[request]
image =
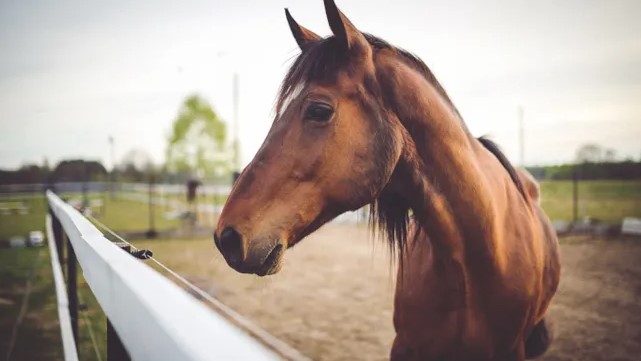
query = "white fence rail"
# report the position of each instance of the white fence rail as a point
(66, 332)
(154, 318)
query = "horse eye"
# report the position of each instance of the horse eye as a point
(318, 112)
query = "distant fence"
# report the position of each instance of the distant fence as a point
(149, 317)
(158, 194)
(92, 187)
(60, 187)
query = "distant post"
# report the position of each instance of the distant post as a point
(236, 131)
(236, 168)
(57, 235)
(151, 233)
(192, 200)
(112, 175)
(575, 194)
(521, 138)
(72, 287)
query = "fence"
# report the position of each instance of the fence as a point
(149, 317)
(61, 187)
(99, 187)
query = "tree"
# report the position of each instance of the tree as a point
(610, 155)
(589, 153)
(45, 165)
(79, 170)
(26, 174)
(198, 141)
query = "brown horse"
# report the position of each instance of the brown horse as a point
(360, 122)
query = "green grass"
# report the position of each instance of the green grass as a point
(38, 336)
(127, 215)
(20, 225)
(90, 317)
(608, 201)
(123, 215)
(119, 214)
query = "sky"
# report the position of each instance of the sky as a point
(74, 73)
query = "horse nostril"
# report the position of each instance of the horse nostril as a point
(231, 245)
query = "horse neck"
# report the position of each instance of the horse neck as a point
(439, 174)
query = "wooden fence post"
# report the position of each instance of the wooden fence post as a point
(57, 235)
(72, 288)
(115, 349)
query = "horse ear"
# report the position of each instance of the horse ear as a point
(301, 34)
(342, 28)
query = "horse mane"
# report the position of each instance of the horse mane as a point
(317, 60)
(494, 149)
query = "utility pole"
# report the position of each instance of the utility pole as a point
(236, 171)
(112, 183)
(575, 194)
(521, 137)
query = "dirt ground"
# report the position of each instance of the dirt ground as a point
(333, 298)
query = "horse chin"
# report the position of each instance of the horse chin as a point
(273, 263)
(271, 271)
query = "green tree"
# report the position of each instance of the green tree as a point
(79, 170)
(198, 141)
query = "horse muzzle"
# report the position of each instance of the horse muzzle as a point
(261, 256)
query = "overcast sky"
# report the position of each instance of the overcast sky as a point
(72, 73)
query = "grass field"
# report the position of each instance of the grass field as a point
(125, 215)
(27, 272)
(608, 201)
(21, 224)
(23, 272)
(119, 214)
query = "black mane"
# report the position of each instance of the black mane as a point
(494, 149)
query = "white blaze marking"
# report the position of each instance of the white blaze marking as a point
(292, 95)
